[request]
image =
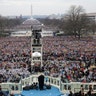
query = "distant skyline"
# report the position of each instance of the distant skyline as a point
(43, 7)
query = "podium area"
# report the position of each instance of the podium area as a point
(46, 92)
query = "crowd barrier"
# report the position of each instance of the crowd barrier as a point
(17, 88)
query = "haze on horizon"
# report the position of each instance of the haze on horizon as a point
(43, 7)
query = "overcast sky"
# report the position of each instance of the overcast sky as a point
(43, 7)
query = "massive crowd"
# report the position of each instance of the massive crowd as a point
(70, 58)
(14, 58)
(65, 57)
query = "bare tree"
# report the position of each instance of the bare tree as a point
(92, 26)
(75, 21)
(6, 23)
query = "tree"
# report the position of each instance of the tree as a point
(6, 23)
(51, 23)
(75, 21)
(92, 26)
(2, 23)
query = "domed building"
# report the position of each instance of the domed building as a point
(25, 29)
(30, 23)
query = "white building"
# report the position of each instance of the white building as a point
(91, 16)
(21, 33)
(47, 33)
(25, 28)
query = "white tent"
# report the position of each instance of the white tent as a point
(36, 54)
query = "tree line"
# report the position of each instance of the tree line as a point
(6, 23)
(75, 22)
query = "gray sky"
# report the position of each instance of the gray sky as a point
(43, 7)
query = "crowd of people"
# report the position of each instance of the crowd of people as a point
(65, 57)
(14, 58)
(70, 58)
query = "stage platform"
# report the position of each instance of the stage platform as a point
(46, 92)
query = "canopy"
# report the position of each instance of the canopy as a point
(36, 54)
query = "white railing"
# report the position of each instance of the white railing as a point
(76, 87)
(13, 88)
(16, 88)
(63, 87)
